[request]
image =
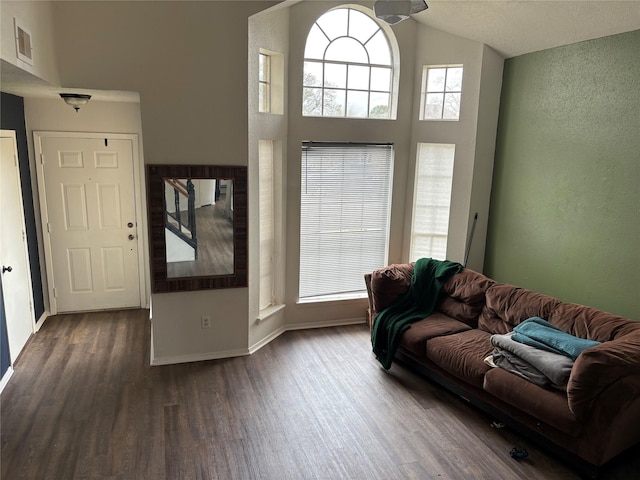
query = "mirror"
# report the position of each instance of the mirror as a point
(198, 227)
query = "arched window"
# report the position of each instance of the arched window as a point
(348, 67)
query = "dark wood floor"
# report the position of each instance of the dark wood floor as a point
(85, 404)
(215, 245)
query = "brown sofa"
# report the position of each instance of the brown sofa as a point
(595, 419)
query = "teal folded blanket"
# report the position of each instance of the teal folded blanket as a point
(539, 333)
(419, 302)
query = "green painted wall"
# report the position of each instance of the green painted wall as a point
(565, 203)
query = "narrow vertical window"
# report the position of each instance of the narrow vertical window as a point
(267, 223)
(264, 83)
(344, 217)
(432, 200)
(441, 92)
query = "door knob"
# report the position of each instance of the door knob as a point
(130, 224)
(6, 269)
(131, 237)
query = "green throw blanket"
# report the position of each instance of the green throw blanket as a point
(419, 302)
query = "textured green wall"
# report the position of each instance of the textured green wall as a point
(565, 203)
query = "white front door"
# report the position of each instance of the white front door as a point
(87, 189)
(16, 274)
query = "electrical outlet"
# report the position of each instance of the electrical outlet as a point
(205, 320)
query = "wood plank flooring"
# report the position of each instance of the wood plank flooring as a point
(215, 245)
(85, 404)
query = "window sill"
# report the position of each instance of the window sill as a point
(269, 312)
(439, 119)
(332, 298)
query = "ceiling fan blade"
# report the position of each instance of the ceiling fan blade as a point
(394, 11)
(418, 6)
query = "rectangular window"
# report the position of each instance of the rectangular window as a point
(345, 205)
(267, 223)
(441, 92)
(432, 200)
(264, 80)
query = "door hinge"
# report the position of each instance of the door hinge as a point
(42, 159)
(48, 227)
(55, 293)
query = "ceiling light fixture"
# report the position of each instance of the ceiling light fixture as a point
(395, 11)
(75, 99)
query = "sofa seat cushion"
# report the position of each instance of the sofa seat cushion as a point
(435, 325)
(548, 405)
(462, 354)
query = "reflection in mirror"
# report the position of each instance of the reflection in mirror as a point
(198, 227)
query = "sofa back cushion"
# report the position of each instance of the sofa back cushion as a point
(507, 305)
(587, 322)
(463, 296)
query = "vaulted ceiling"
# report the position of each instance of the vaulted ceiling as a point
(516, 27)
(511, 27)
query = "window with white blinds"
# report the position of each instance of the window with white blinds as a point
(432, 200)
(267, 223)
(345, 205)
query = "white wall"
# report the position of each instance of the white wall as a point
(473, 135)
(487, 126)
(188, 61)
(38, 18)
(270, 31)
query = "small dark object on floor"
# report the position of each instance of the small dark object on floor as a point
(518, 453)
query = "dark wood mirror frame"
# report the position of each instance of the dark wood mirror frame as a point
(157, 249)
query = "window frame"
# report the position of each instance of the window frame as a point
(424, 92)
(319, 229)
(264, 97)
(322, 88)
(423, 179)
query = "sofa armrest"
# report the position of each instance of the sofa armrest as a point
(598, 368)
(387, 284)
(370, 311)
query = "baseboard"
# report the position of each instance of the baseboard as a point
(303, 326)
(197, 357)
(266, 340)
(152, 354)
(5, 378)
(41, 320)
(327, 323)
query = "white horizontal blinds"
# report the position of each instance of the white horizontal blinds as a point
(432, 200)
(267, 223)
(344, 215)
